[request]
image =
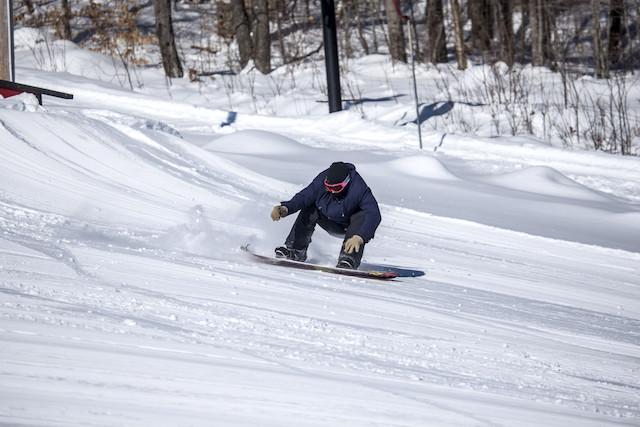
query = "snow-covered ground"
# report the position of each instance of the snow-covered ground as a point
(125, 300)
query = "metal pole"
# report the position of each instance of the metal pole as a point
(331, 55)
(413, 71)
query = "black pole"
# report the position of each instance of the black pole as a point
(331, 55)
(413, 41)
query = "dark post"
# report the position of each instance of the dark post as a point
(331, 55)
(13, 54)
(6, 43)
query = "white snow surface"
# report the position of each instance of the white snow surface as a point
(125, 299)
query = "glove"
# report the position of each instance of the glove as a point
(353, 243)
(279, 212)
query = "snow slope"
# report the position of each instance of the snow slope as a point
(125, 300)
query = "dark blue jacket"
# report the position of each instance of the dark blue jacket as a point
(339, 208)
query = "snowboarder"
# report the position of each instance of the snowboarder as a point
(340, 202)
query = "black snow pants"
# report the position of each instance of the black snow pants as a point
(305, 224)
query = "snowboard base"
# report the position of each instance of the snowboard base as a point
(366, 274)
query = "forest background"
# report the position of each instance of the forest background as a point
(517, 44)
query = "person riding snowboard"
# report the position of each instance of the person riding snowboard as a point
(340, 202)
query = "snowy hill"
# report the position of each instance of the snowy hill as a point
(125, 299)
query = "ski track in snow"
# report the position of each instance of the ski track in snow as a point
(125, 301)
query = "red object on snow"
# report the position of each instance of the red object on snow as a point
(6, 92)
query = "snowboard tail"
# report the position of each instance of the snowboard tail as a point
(366, 274)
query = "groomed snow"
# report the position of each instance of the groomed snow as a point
(125, 300)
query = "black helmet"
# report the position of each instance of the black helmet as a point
(337, 173)
(337, 177)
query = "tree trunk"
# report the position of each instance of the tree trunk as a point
(359, 28)
(280, 16)
(242, 31)
(520, 35)
(166, 38)
(224, 20)
(29, 5)
(417, 54)
(549, 28)
(346, 12)
(436, 42)
(262, 37)
(65, 31)
(504, 24)
(598, 53)
(537, 32)
(375, 6)
(616, 30)
(461, 55)
(396, 33)
(5, 41)
(481, 25)
(307, 15)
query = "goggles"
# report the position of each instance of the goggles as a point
(336, 188)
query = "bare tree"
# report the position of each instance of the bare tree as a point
(360, 20)
(520, 38)
(536, 20)
(262, 37)
(396, 33)
(461, 55)
(65, 21)
(166, 38)
(242, 31)
(374, 5)
(29, 5)
(436, 42)
(281, 9)
(481, 25)
(346, 12)
(616, 30)
(598, 54)
(504, 24)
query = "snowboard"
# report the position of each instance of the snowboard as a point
(365, 274)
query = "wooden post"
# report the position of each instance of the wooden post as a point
(7, 67)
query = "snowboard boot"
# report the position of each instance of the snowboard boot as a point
(347, 262)
(292, 254)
